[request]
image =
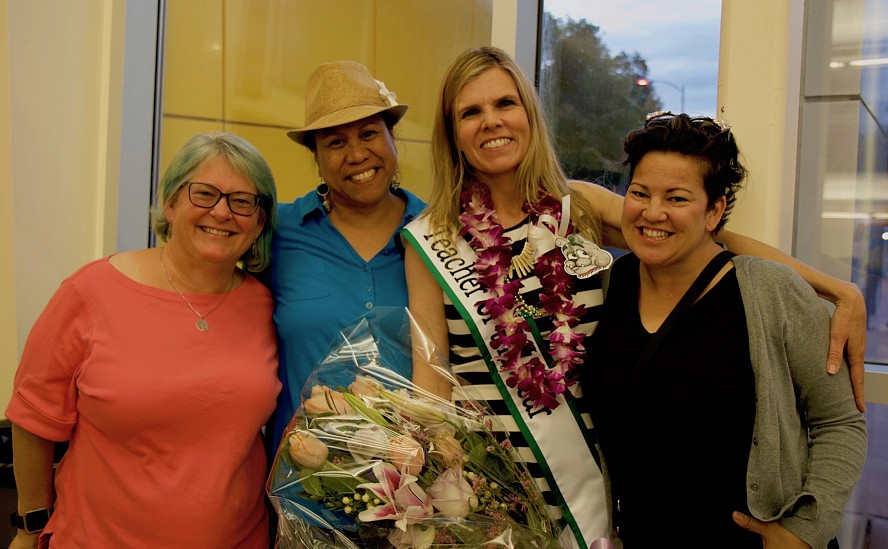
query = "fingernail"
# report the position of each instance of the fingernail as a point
(832, 368)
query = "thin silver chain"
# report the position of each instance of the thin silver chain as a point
(202, 324)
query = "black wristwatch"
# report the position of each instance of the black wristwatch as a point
(34, 520)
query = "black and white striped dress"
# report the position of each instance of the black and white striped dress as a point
(468, 365)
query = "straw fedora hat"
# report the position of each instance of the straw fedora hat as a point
(342, 92)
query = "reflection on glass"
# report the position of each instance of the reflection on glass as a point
(866, 513)
(843, 168)
(603, 67)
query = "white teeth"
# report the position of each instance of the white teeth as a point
(654, 233)
(363, 175)
(215, 231)
(496, 143)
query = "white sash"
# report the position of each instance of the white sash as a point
(556, 437)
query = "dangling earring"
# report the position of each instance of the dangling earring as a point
(396, 180)
(253, 252)
(323, 191)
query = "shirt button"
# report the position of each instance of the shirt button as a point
(369, 289)
(755, 441)
(368, 305)
(754, 487)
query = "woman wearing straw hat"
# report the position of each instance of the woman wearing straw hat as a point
(334, 253)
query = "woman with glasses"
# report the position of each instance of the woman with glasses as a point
(708, 392)
(505, 268)
(159, 368)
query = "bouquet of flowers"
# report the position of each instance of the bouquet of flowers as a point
(371, 460)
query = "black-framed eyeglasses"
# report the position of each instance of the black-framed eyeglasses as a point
(204, 195)
(661, 117)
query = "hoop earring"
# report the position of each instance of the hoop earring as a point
(323, 191)
(396, 180)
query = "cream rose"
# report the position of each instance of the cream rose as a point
(448, 449)
(406, 455)
(307, 450)
(325, 400)
(452, 495)
(364, 386)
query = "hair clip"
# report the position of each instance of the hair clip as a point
(722, 124)
(657, 114)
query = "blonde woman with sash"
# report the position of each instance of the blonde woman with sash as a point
(518, 254)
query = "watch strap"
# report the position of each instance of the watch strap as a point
(33, 521)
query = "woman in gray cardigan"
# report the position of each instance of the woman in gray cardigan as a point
(718, 425)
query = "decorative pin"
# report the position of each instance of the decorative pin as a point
(389, 97)
(582, 259)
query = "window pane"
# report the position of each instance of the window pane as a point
(605, 64)
(843, 161)
(865, 523)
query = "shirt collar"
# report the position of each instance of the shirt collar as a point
(312, 205)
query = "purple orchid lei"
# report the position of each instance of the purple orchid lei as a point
(511, 334)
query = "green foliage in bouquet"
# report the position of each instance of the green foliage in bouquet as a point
(405, 469)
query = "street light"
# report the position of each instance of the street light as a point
(681, 89)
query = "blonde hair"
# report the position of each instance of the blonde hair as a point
(539, 169)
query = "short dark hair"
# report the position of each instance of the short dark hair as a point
(706, 139)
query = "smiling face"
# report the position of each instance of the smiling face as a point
(357, 161)
(213, 234)
(492, 128)
(666, 220)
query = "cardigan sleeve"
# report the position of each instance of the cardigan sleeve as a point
(833, 457)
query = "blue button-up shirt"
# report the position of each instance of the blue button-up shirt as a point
(321, 285)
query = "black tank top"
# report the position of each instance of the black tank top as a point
(676, 442)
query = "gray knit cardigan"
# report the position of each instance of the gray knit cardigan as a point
(809, 440)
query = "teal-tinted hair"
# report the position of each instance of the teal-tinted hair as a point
(248, 162)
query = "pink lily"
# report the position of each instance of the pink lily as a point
(404, 501)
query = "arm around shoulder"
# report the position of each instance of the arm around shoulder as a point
(848, 324)
(608, 206)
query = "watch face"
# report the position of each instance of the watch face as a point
(36, 520)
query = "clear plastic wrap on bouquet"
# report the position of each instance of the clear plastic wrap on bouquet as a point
(371, 460)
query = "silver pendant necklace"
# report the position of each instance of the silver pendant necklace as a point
(202, 324)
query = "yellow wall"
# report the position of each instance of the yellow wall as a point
(61, 129)
(758, 92)
(8, 330)
(241, 66)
